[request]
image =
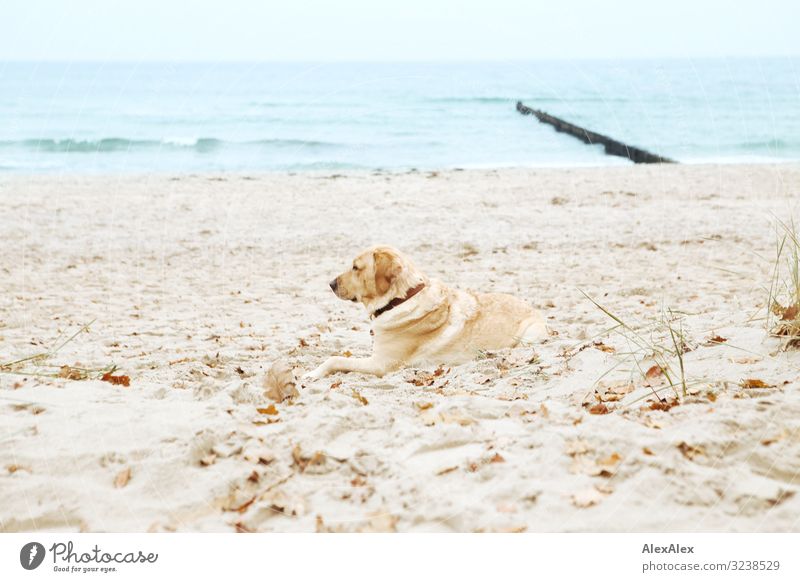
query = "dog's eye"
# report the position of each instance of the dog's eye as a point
(355, 268)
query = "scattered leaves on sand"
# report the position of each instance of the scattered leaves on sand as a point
(270, 410)
(121, 380)
(122, 478)
(754, 383)
(690, 451)
(280, 382)
(716, 340)
(423, 378)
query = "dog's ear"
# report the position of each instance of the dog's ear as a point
(387, 269)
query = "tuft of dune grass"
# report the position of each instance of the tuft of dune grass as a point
(783, 300)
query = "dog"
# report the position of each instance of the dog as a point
(417, 321)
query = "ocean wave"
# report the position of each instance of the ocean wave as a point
(767, 144)
(119, 144)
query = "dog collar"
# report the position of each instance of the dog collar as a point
(399, 300)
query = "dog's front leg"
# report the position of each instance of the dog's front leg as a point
(335, 364)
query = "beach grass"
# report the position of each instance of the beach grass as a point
(783, 300)
(655, 347)
(40, 364)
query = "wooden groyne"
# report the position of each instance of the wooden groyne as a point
(612, 146)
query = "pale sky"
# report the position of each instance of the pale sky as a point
(397, 30)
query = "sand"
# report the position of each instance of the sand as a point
(196, 284)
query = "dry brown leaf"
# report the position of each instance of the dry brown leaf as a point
(654, 372)
(598, 345)
(664, 405)
(790, 313)
(599, 408)
(303, 343)
(336, 384)
(647, 451)
(122, 478)
(446, 470)
(116, 380)
(497, 458)
(715, 340)
(270, 410)
(754, 383)
(424, 405)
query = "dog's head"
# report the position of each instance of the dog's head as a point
(377, 276)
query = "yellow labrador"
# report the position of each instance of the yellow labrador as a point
(419, 321)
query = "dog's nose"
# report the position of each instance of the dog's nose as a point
(334, 285)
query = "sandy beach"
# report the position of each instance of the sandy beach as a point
(195, 285)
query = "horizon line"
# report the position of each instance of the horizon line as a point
(4, 61)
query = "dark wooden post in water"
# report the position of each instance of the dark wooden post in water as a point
(612, 146)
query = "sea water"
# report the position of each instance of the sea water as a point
(252, 117)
